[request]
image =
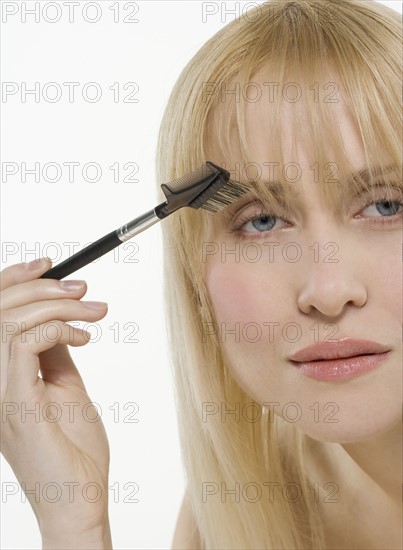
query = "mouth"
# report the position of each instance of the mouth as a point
(336, 358)
(341, 368)
(346, 348)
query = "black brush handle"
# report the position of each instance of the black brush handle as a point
(84, 257)
(105, 244)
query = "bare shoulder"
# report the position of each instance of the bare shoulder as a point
(186, 536)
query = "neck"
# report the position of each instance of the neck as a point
(369, 478)
(380, 458)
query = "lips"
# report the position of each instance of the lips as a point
(346, 347)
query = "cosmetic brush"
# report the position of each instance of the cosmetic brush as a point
(209, 188)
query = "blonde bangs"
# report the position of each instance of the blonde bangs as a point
(303, 55)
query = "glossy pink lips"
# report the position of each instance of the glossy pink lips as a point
(341, 360)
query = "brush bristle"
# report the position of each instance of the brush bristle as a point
(189, 179)
(224, 195)
(209, 188)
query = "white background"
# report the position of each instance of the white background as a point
(42, 218)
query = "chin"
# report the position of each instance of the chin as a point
(353, 429)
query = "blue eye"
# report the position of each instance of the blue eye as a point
(261, 223)
(387, 207)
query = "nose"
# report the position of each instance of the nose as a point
(328, 287)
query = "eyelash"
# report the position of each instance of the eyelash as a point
(262, 214)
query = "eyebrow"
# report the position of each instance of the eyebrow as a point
(361, 179)
(275, 188)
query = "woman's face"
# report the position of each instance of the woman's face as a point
(341, 278)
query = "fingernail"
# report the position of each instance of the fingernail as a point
(69, 286)
(96, 305)
(35, 264)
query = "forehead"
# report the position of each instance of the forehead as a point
(314, 146)
(295, 104)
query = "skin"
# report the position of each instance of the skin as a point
(361, 295)
(37, 369)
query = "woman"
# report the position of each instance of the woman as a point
(282, 448)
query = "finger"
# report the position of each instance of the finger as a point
(24, 364)
(57, 365)
(40, 289)
(26, 271)
(18, 320)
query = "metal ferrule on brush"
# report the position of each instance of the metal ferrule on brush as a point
(137, 225)
(209, 188)
(178, 194)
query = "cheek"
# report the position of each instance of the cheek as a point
(385, 284)
(245, 308)
(243, 304)
(236, 293)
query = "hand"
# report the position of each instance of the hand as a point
(55, 451)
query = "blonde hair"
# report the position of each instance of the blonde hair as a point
(359, 42)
